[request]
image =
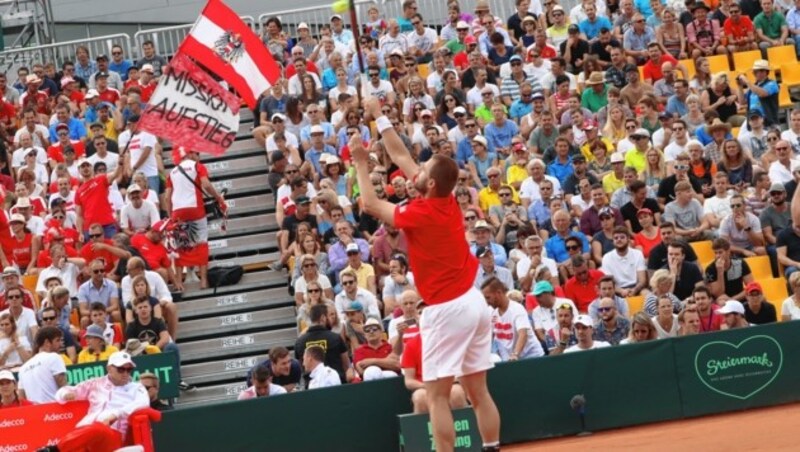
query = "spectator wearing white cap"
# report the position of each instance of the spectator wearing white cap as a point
(10, 277)
(139, 214)
(112, 399)
(30, 162)
(584, 331)
(488, 269)
(733, 314)
(364, 272)
(316, 117)
(375, 360)
(9, 398)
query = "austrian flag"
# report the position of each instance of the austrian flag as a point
(226, 46)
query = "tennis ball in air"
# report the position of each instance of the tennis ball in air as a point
(340, 6)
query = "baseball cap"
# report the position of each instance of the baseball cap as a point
(279, 116)
(641, 132)
(133, 188)
(515, 58)
(7, 375)
(461, 25)
(84, 162)
(10, 271)
(336, 16)
(557, 8)
(542, 287)
(317, 129)
(480, 139)
(584, 320)
(66, 81)
(425, 112)
(573, 29)
(102, 56)
(470, 40)
(91, 94)
(617, 157)
(373, 321)
(537, 95)
(160, 225)
(460, 109)
(776, 186)
(481, 224)
(751, 287)
(732, 307)
(101, 75)
(23, 203)
(354, 306)
(119, 359)
(147, 68)
(302, 200)
(352, 248)
(302, 25)
(94, 331)
(644, 211)
(18, 217)
(483, 251)
(61, 126)
(605, 212)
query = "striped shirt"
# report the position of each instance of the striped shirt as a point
(511, 87)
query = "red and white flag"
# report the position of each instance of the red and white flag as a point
(191, 109)
(224, 44)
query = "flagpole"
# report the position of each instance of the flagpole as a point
(356, 28)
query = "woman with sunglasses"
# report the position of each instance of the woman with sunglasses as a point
(24, 318)
(25, 245)
(15, 349)
(310, 272)
(314, 295)
(769, 156)
(737, 163)
(307, 244)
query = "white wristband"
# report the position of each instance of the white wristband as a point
(382, 123)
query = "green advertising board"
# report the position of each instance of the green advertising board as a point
(164, 365)
(745, 368)
(416, 432)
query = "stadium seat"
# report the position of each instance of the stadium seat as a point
(743, 61)
(784, 99)
(689, 65)
(735, 131)
(423, 70)
(635, 304)
(29, 282)
(781, 55)
(718, 63)
(790, 74)
(641, 73)
(760, 267)
(705, 255)
(775, 291)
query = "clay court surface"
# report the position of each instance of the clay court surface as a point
(759, 429)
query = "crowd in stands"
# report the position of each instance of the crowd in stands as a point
(612, 187)
(95, 233)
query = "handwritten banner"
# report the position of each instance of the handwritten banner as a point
(191, 109)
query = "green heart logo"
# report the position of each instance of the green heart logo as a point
(739, 370)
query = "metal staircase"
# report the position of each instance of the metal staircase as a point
(222, 335)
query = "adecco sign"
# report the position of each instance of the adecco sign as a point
(32, 427)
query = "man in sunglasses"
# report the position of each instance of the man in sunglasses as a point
(112, 399)
(10, 278)
(98, 289)
(375, 360)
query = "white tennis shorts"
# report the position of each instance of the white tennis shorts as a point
(456, 337)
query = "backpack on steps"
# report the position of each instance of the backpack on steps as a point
(224, 276)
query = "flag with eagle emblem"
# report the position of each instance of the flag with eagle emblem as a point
(226, 46)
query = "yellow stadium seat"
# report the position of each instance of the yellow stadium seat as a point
(423, 70)
(735, 131)
(635, 304)
(781, 55)
(29, 282)
(641, 72)
(689, 65)
(775, 291)
(784, 99)
(743, 61)
(718, 63)
(705, 255)
(760, 267)
(790, 74)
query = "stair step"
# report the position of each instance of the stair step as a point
(247, 244)
(211, 394)
(226, 304)
(250, 204)
(243, 185)
(239, 148)
(244, 225)
(248, 343)
(216, 371)
(226, 324)
(237, 167)
(250, 281)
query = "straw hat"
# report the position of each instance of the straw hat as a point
(717, 124)
(596, 78)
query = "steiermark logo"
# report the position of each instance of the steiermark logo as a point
(739, 370)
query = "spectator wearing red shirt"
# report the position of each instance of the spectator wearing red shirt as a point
(6, 240)
(411, 364)
(11, 281)
(8, 391)
(91, 200)
(150, 247)
(739, 30)
(54, 236)
(32, 97)
(710, 320)
(652, 68)
(8, 118)
(374, 360)
(146, 85)
(55, 153)
(461, 59)
(100, 248)
(25, 246)
(104, 93)
(582, 287)
(71, 88)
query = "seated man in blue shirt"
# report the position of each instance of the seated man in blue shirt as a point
(77, 131)
(98, 289)
(286, 371)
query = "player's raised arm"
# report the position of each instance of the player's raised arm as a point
(381, 209)
(391, 140)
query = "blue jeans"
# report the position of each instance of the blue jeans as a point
(154, 182)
